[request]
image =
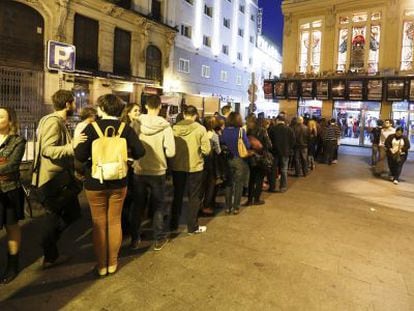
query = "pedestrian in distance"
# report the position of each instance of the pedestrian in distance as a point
(105, 187)
(397, 146)
(12, 148)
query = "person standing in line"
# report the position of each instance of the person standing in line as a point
(225, 112)
(397, 146)
(157, 137)
(375, 139)
(12, 148)
(301, 147)
(210, 167)
(313, 141)
(386, 131)
(130, 113)
(53, 175)
(192, 145)
(106, 197)
(283, 141)
(238, 166)
(87, 116)
(332, 135)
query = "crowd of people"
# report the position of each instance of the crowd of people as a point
(121, 158)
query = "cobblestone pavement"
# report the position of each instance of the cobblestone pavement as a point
(338, 239)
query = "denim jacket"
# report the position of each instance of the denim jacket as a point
(11, 154)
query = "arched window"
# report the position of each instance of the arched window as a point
(21, 36)
(154, 63)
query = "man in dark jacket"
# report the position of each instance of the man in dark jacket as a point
(283, 141)
(301, 147)
(375, 139)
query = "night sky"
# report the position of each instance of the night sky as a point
(272, 20)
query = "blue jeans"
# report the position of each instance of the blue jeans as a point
(234, 188)
(149, 190)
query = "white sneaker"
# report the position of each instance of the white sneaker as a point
(395, 182)
(391, 178)
(201, 229)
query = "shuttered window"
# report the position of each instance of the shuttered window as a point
(122, 52)
(86, 42)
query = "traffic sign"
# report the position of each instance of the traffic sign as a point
(61, 56)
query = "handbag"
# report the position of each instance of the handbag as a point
(241, 147)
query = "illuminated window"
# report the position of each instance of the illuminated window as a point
(224, 75)
(359, 42)
(310, 47)
(208, 10)
(184, 65)
(407, 49)
(186, 31)
(205, 71)
(207, 41)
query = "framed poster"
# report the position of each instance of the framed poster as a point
(268, 89)
(279, 89)
(395, 89)
(322, 89)
(411, 95)
(338, 89)
(355, 89)
(292, 89)
(306, 89)
(374, 89)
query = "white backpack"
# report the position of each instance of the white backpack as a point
(109, 154)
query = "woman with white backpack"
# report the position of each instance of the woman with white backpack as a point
(108, 144)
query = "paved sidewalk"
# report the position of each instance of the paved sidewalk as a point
(338, 239)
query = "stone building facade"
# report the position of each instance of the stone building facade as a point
(123, 47)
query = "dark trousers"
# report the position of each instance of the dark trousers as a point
(301, 160)
(209, 185)
(330, 146)
(375, 154)
(256, 183)
(280, 165)
(234, 188)
(149, 191)
(396, 167)
(193, 182)
(61, 212)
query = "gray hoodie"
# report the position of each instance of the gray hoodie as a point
(157, 137)
(192, 144)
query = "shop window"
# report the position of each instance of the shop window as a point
(359, 42)
(122, 52)
(153, 69)
(86, 42)
(310, 47)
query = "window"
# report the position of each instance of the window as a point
(86, 42)
(407, 50)
(184, 65)
(226, 22)
(225, 49)
(205, 71)
(358, 42)
(207, 41)
(310, 47)
(252, 17)
(186, 31)
(153, 68)
(156, 10)
(190, 1)
(238, 80)
(239, 56)
(241, 32)
(251, 39)
(241, 8)
(223, 76)
(208, 10)
(250, 61)
(122, 52)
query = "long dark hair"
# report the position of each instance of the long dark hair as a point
(234, 120)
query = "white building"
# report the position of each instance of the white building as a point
(214, 50)
(267, 63)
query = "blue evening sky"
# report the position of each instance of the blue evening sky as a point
(272, 20)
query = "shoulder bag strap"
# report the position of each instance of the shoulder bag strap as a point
(97, 129)
(121, 128)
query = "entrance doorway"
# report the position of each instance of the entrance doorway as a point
(356, 120)
(310, 108)
(403, 116)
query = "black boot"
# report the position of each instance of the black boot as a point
(12, 269)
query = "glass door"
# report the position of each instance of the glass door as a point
(403, 116)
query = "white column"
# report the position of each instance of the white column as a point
(216, 27)
(246, 34)
(198, 26)
(234, 33)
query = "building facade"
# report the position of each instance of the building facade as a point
(122, 47)
(365, 49)
(214, 50)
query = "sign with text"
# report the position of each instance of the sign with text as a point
(61, 56)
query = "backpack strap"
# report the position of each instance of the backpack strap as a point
(121, 128)
(97, 129)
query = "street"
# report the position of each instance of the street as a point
(338, 239)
